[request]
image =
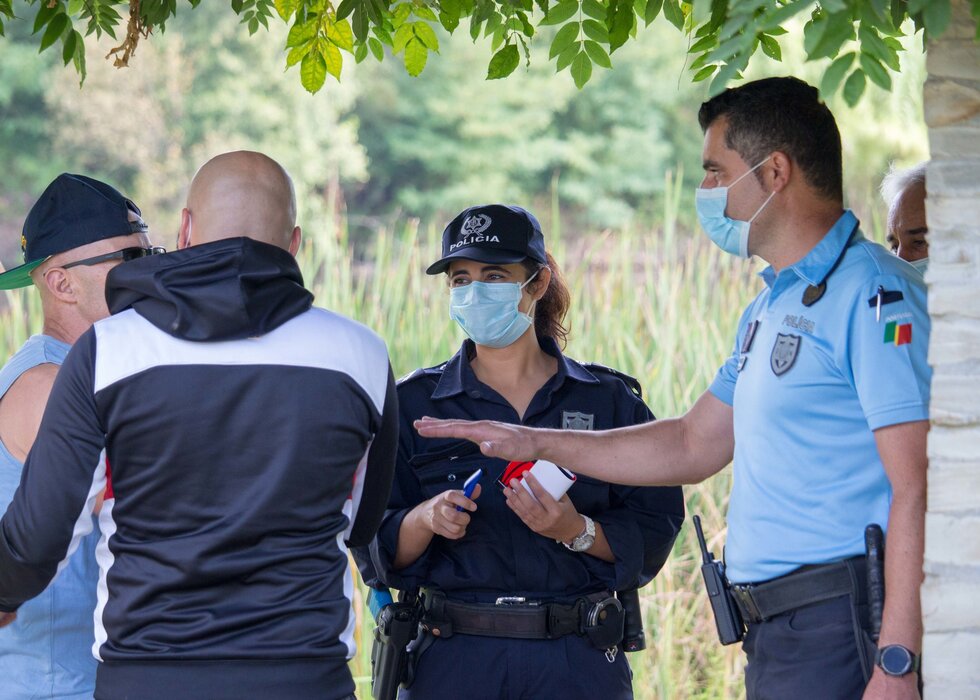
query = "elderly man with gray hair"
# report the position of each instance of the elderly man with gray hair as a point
(904, 191)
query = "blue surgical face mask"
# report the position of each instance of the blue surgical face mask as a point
(920, 265)
(487, 312)
(731, 235)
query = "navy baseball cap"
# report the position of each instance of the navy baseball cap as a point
(491, 233)
(72, 211)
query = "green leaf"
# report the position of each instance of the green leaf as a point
(426, 35)
(449, 22)
(376, 48)
(593, 9)
(75, 7)
(401, 14)
(360, 53)
(68, 52)
(55, 28)
(704, 73)
(300, 33)
(673, 13)
(503, 62)
(415, 57)
(581, 70)
(566, 57)
(874, 70)
(873, 44)
(936, 16)
(596, 30)
(854, 87)
(560, 12)
(424, 12)
(286, 8)
(345, 8)
(403, 35)
(837, 29)
(565, 37)
(598, 54)
(313, 72)
(341, 34)
(770, 47)
(834, 74)
(653, 9)
(297, 53)
(44, 15)
(333, 59)
(620, 26)
(703, 44)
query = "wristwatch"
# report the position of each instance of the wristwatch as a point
(584, 540)
(896, 660)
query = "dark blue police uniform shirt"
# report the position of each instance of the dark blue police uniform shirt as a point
(500, 555)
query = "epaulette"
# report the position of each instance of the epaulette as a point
(632, 382)
(420, 372)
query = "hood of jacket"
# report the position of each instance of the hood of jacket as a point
(226, 290)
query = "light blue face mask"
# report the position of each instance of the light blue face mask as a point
(731, 235)
(920, 265)
(487, 312)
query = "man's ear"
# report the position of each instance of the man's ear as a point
(295, 240)
(780, 172)
(184, 234)
(58, 283)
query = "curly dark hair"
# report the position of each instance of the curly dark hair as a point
(549, 312)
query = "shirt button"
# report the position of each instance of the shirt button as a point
(451, 477)
(475, 394)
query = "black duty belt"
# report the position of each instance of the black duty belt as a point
(759, 602)
(512, 618)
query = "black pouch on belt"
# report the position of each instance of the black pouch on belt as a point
(603, 622)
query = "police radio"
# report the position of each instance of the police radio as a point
(728, 620)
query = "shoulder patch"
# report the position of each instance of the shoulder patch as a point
(632, 382)
(420, 372)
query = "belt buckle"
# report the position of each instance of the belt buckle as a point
(743, 594)
(513, 600)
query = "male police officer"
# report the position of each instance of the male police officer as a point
(905, 193)
(76, 232)
(824, 404)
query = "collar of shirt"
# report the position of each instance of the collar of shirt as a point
(817, 264)
(458, 376)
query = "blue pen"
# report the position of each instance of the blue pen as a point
(469, 486)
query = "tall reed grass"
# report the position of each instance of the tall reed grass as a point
(656, 304)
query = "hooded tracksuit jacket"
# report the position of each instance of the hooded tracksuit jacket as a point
(250, 438)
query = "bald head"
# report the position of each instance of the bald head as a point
(242, 193)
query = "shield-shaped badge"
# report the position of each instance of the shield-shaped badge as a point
(784, 353)
(573, 420)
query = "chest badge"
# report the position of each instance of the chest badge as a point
(573, 420)
(784, 353)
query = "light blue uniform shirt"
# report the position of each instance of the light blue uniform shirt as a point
(808, 387)
(47, 651)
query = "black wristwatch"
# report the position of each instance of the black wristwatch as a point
(896, 660)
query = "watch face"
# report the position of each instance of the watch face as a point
(896, 660)
(583, 542)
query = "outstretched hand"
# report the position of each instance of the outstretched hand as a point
(501, 440)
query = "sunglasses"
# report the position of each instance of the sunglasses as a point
(124, 255)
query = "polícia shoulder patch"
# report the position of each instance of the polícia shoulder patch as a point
(632, 382)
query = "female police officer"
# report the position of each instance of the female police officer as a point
(516, 588)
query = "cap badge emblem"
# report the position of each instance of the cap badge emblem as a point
(475, 224)
(23, 243)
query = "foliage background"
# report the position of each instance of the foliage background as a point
(383, 160)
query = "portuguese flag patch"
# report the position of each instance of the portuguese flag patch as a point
(898, 333)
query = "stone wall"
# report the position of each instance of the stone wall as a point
(951, 592)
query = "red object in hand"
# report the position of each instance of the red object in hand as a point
(514, 470)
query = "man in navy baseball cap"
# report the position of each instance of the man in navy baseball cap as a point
(73, 211)
(78, 230)
(491, 233)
